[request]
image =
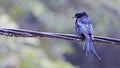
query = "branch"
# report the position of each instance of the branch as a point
(27, 33)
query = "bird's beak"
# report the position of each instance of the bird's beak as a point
(73, 17)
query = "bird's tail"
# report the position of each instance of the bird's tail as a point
(89, 47)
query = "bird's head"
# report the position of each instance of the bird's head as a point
(81, 14)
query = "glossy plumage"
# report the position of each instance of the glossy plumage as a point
(83, 27)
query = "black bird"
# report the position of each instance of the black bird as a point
(84, 29)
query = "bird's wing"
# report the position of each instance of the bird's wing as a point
(85, 26)
(91, 28)
(77, 28)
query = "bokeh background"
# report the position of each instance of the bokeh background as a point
(56, 16)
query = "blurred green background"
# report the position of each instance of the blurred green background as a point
(56, 16)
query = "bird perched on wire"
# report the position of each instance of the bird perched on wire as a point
(84, 29)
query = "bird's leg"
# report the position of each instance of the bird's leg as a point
(92, 37)
(82, 37)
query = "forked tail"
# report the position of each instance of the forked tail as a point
(89, 47)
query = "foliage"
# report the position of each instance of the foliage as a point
(51, 16)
